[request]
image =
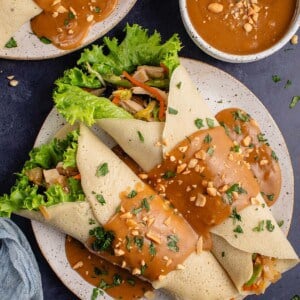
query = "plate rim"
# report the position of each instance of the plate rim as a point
(113, 19)
(35, 225)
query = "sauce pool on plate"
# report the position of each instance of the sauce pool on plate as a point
(241, 27)
(66, 23)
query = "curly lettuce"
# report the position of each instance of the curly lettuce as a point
(26, 195)
(75, 104)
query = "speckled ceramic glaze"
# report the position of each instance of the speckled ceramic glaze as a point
(208, 49)
(31, 48)
(220, 90)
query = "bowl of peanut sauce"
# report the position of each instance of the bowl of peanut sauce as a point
(241, 31)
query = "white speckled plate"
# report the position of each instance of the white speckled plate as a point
(31, 48)
(215, 85)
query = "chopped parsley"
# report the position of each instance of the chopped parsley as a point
(274, 156)
(45, 40)
(136, 210)
(210, 151)
(132, 194)
(172, 111)
(128, 243)
(11, 43)
(261, 138)
(237, 129)
(270, 197)
(102, 170)
(98, 271)
(235, 216)
(103, 239)
(210, 123)
(225, 127)
(239, 115)
(152, 249)
(143, 269)
(234, 188)
(92, 221)
(259, 227)
(141, 137)
(178, 85)
(118, 208)
(276, 78)
(207, 139)
(130, 281)
(280, 223)
(288, 84)
(145, 204)
(296, 297)
(169, 174)
(270, 227)
(139, 242)
(71, 15)
(235, 148)
(294, 101)
(97, 9)
(199, 123)
(100, 198)
(238, 229)
(96, 293)
(117, 280)
(172, 242)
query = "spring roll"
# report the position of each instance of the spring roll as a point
(249, 245)
(13, 15)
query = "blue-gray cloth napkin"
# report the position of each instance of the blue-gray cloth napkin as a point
(19, 273)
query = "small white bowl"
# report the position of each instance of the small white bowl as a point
(234, 58)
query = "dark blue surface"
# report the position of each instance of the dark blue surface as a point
(24, 108)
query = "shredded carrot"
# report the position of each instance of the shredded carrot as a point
(78, 176)
(44, 212)
(116, 100)
(151, 90)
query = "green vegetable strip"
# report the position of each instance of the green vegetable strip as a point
(25, 195)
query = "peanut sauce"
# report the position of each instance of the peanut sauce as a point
(241, 27)
(204, 178)
(151, 238)
(94, 269)
(244, 130)
(66, 23)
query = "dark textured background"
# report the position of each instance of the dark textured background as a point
(24, 108)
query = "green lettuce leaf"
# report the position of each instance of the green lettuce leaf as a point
(77, 77)
(137, 48)
(25, 195)
(76, 104)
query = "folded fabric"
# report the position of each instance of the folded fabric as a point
(19, 277)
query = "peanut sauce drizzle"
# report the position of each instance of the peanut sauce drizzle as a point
(255, 149)
(151, 238)
(204, 179)
(94, 269)
(66, 23)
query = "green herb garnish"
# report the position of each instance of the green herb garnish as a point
(139, 242)
(274, 156)
(239, 115)
(100, 199)
(169, 174)
(11, 43)
(92, 222)
(280, 223)
(234, 188)
(270, 197)
(97, 9)
(238, 229)
(225, 127)
(172, 242)
(235, 148)
(152, 249)
(128, 243)
(132, 194)
(141, 137)
(210, 122)
(261, 138)
(199, 123)
(288, 84)
(130, 281)
(178, 85)
(270, 227)
(145, 204)
(143, 269)
(235, 216)
(207, 139)
(102, 170)
(103, 239)
(45, 40)
(172, 111)
(294, 101)
(223, 253)
(259, 227)
(276, 78)
(237, 129)
(210, 151)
